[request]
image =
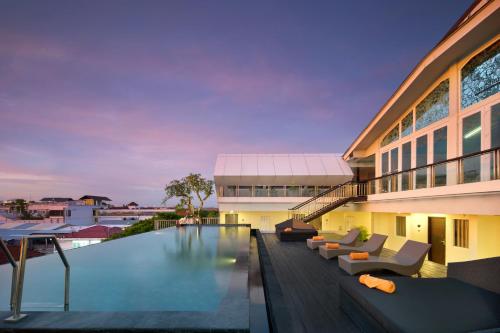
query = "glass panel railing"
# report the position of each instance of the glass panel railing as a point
(472, 168)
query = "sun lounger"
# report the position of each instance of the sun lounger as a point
(300, 231)
(466, 301)
(407, 261)
(348, 240)
(373, 246)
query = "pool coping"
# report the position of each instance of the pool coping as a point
(233, 314)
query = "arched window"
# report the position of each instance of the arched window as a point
(433, 107)
(481, 76)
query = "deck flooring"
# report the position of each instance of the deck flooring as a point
(309, 287)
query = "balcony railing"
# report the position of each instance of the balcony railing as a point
(476, 167)
(163, 224)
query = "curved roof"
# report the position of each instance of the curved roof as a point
(281, 169)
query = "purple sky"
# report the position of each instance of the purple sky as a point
(117, 98)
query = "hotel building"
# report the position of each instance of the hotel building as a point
(426, 167)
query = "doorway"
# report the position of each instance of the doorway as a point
(437, 238)
(231, 218)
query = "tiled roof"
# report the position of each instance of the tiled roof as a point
(97, 231)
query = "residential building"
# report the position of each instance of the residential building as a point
(65, 212)
(95, 200)
(427, 166)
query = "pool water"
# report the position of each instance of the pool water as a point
(175, 269)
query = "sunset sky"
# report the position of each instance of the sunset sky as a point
(117, 98)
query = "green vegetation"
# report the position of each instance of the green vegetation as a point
(363, 233)
(186, 189)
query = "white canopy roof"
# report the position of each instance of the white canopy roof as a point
(281, 169)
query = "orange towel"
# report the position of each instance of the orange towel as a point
(359, 255)
(381, 284)
(318, 238)
(332, 246)
(288, 230)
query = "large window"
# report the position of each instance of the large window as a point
(261, 191)
(407, 125)
(405, 165)
(293, 191)
(392, 136)
(245, 191)
(421, 174)
(481, 76)
(308, 191)
(394, 168)
(495, 126)
(434, 107)
(385, 170)
(471, 143)
(277, 191)
(440, 154)
(230, 191)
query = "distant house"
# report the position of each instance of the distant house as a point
(63, 212)
(56, 199)
(132, 205)
(87, 236)
(94, 200)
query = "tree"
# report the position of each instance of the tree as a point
(186, 189)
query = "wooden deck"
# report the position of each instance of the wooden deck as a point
(304, 294)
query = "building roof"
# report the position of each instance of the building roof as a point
(478, 24)
(97, 231)
(281, 169)
(55, 199)
(95, 197)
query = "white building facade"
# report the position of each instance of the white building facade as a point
(430, 158)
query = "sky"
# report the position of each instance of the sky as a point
(118, 98)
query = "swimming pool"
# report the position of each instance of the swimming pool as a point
(188, 269)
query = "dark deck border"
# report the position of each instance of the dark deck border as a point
(232, 316)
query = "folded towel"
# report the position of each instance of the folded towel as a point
(288, 230)
(374, 282)
(359, 255)
(332, 246)
(318, 238)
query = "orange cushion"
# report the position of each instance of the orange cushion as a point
(359, 255)
(332, 246)
(288, 230)
(318, 238)
(387, 286)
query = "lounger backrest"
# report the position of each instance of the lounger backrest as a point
(375, 243)
(412, 252)
(351, 236)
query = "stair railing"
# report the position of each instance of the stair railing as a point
(18, 291)
(327, 199)
(13, 263)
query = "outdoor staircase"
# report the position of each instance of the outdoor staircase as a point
(329, 200)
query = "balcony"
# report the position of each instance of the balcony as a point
(443, 177)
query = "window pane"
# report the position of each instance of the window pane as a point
(407, 125)
(440, 154)
(322, 189)
(421, 175)
(292, 191)
(245, 191)
(385, 170)
(277, 191)
(481, 76)
(261, 191)
(392, 136)
(471, 143)
(394, 160)
(230, 191)
(495, 126)
(308, 191)
(434, 107)
(406, 164)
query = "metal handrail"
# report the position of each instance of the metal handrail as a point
(13, 263)
(18, 294)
